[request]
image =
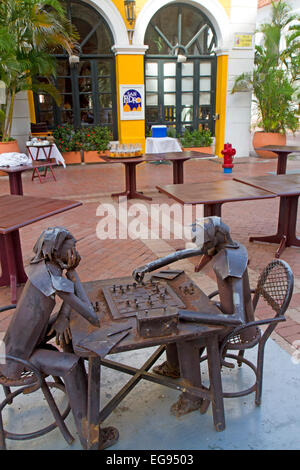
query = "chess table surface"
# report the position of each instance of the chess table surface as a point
(183, 289)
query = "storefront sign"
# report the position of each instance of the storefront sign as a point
(243, 41)
(132, 102)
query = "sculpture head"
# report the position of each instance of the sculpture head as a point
(57, 245)
(210, 235)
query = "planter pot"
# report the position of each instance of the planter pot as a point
(72, 157)
(200, 149)
(261, 138)
(6, 147)
(93, 156)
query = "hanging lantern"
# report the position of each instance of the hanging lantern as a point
(130, 10)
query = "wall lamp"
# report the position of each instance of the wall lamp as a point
(130, 10)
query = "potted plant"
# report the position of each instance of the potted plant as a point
(69, 143)
(273, 79)
(29, 32)
(198, 139)
(95, 142)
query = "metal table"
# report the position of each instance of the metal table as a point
(189, 339)
(282, 152)
(287, 187)
(15, 212)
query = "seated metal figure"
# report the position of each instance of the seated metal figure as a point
(213, 240)
(31, 325)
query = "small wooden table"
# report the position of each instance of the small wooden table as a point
(16, 212)
(213, 194)
(282, 152)
(287, 187)
(47, 150)
(177, 158)
(189, 339)
(15, 174)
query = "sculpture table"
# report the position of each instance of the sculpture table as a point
(189, 338)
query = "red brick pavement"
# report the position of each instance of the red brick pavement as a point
(92, 184)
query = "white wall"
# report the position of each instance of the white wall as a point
(21, 120)
(238, 106)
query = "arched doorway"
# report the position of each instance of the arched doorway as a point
(87, 89)
(180, 69)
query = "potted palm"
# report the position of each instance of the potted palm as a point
(273, 79)
(198, 139)
(29, 31)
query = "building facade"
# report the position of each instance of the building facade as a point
(179, 57)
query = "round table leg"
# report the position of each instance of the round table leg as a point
(15, 183)
(130, 181)
(282, 162)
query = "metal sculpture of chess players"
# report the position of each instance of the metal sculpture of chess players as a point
(31, 326)
(213, 240)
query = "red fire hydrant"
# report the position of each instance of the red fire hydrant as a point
(228, 153)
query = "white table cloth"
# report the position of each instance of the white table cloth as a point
(162, 145)
(11, 159)
(55, 153)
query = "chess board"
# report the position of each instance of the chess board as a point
(129, 299)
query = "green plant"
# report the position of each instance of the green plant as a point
(275, 73)
(67, 138)
(196, 138)
(95, 138)
(29, 31)
(171, 132)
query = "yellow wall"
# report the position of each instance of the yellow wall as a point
(222, 66)
(130, 71)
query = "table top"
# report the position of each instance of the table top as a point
(280, 148)
(81, 328)
(19, 211)
(184, 155)
(21, 168)
(281, 185)
(151, 157)
(213, 192)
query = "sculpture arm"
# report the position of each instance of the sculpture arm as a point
(138, 273)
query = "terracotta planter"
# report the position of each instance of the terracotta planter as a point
(261, 138)
(94, 156)
(200, 149)
(6, 147)
(72, 157)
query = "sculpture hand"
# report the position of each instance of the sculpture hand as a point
(61, 327)
(139, 273)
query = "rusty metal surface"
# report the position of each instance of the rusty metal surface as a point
(157, 322)
(193, 301)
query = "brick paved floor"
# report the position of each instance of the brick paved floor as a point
(92, 184)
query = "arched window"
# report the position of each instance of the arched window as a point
(88, 88)
(180, 69)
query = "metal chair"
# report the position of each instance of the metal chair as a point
(30, 381)
(275, 286)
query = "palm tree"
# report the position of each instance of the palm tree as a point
(276, 70)
(29, 31)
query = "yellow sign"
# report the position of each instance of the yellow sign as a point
(242, 40)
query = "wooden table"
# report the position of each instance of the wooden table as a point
(287, 187)
(213, 194)
(16, 212)
(189, 339)
(282, 152)
(15, 174)
(177, 158)
(47, 159)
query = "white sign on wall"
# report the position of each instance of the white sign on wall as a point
(132, 102)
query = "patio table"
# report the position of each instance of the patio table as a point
(287, 187)
(45, 157)
(15, 174)
(16, 212)
(213, 195)
(177, 158)
(189, 338)
(282, 152)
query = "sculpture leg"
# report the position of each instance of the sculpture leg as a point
(169, 368)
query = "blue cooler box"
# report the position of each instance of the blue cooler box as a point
(159, 131)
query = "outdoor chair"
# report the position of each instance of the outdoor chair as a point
(30, 381)
(275, 287)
